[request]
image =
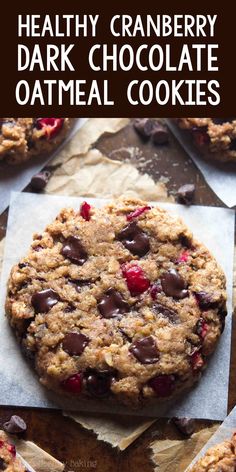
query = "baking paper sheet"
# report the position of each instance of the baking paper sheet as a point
(19, 385)
(225, 431)
(16, 177)
(220, 177)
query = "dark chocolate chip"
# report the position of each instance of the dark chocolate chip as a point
(145, 350)
(3, 464)
(186, 426)
(15, 425)
(78, 283)
(185, 194)
(112, 304)
(43, 301)
(40, 180)
(98, 383)
(185, 241)
(73, 250)
(69, 308)
(205, 300)
(173, 284)
(21, 265)
(144, 127)
(232, 146)
(171, 315)
(221, 121)
(160, 134)
(222, 313)
(134, 239)
(75, 343)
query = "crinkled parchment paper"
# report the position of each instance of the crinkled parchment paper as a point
(119, 431)
(225, 431)
(220, 177)
(25, 390)
(170, 455)
(35, 458)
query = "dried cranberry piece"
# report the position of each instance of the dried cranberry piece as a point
(136, 280)
(154, 290)
(85, 211)
(202, 327)
(51, 126)
(163, 385)
(12, 449)
(183, 257)
(137, 212)
(201, 137)
(73, 384)
(196, 361)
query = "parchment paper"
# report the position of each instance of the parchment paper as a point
(220, 177)
(171, 455)
(118, 431)
(84, 133)
(225, 431)
(19, 384)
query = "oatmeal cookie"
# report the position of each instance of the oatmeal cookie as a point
(9, 462)
(23, 138)
(215, 137)
(219, 458)
(120, 301)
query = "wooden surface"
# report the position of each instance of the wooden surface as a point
(66, 440)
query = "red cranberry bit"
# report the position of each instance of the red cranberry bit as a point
(85, 211)
(1, 443)
(73, 384)
(51, 126)
(137, 212)
(201, 137)
(163, 385)
(183, 257)
(154, 290)
(202, 328)
(197, 361)
(136, 280)
(11, 448)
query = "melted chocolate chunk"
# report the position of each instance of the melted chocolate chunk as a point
(205, 300)
(98, 383)
(3, 464)
(145, 350)
(43, 301)
(73, 250)
(186, 426)
(232, 146)
(15, 425)
(75, 343)
(160, 134)
(21, 265)
(134, 239)
(171, 315)
(185, 241)
(173, 284)
(79, 283)
(222, 313)
(112, 304)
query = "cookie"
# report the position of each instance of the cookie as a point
(23, 138)
(9, 462)
(119, 302)
(215, 137)
(219, 458)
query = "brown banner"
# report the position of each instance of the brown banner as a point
(116, 61)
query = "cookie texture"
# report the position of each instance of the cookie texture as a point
(119, 302)
(9, 462)
(23, 138)
(220, 458)
(215, 137)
